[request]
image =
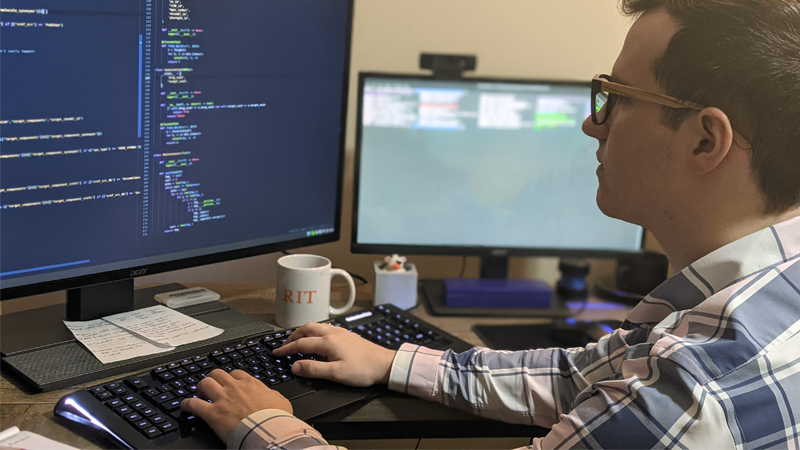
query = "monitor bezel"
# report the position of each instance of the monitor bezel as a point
(363, 248)
(196, 261)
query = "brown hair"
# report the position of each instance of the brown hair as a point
(742, 56)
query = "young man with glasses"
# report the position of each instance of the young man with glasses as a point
(699, 142)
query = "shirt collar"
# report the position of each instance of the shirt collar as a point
(717, 270)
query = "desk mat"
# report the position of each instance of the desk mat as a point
(533, 336)
(431, 293)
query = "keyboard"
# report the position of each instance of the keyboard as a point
(143, 411)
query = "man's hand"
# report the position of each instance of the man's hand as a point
(234, 396)
(352, 360)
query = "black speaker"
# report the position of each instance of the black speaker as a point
(636, 276)
(641, 273)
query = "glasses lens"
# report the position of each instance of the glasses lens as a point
(601, 105)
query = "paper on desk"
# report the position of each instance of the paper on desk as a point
(110, 343)
(163, 325)
(14, 438)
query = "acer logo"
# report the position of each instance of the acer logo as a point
(136, 273)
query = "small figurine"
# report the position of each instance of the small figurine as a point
(395, 263)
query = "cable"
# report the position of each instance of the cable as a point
(463, 266)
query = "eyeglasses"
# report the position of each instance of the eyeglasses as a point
(603, 99)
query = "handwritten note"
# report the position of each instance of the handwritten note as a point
(138, 333)
(14, 438)
(110, 343)
(163, 325)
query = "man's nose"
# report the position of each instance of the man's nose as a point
(598, 132)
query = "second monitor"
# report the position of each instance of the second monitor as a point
(486, 167)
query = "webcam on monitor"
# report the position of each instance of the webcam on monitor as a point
(447, 66)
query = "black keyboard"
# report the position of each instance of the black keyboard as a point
(143, 411)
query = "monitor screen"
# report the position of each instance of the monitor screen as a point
(473, 166)
(151, 135)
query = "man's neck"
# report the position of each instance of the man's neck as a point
(685, 243)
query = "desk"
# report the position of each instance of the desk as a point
(393, 416)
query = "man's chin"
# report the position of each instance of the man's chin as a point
(607, 207)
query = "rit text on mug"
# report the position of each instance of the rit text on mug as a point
(297, 296)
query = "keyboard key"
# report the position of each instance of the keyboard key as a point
(122, 410)
(221, 359)
(104, 395)
(180, 372)
(171, 405)
(97, 389)
(181, 392)
(164, 376)
(133, 417)
(150, 392)
(168, 425)
(173, 365)
(114, 403)
(138, 405)
(149, 411)
(163, 397)
(152, 432)
(142, 424)
(158, 418)
(130, 399)
(205, 365)
(136, 383)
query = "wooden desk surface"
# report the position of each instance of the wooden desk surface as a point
(34, 412)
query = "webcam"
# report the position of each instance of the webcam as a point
(447, 66)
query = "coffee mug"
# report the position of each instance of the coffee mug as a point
(303, 291)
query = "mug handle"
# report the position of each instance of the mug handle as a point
(346, 276)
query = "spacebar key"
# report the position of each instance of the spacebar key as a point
(294, 388)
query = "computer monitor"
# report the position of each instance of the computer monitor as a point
(479, 166)
(146, 136)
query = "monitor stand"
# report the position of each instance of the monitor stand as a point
(43, 355)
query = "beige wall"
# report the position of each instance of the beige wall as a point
(550, 39)
(554, 39)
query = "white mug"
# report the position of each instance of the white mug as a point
(303, 291)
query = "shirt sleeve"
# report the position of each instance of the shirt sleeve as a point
(275, 429)
(532, 387)
(589, 398)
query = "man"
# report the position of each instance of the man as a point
(700, 143)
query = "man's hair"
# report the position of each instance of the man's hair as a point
(742, 56)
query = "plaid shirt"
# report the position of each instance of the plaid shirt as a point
(710, 359)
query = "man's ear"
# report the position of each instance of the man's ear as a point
(710, 136)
